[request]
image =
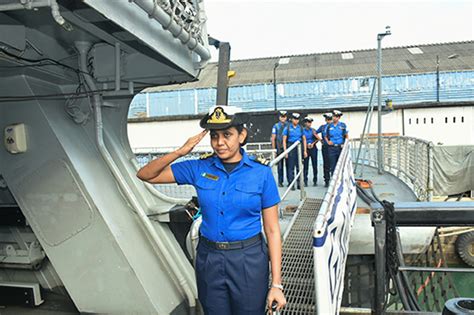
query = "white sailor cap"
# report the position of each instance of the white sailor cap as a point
(337, 113)
(282, 113)
(308, 119)
(328, 115)
(295, 115)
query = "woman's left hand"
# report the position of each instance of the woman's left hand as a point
(276, 295)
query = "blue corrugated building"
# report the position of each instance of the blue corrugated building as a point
(315, 81)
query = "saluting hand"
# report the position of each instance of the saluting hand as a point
(191, 143)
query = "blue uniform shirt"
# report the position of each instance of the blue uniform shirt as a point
(308, 133)
(231, 203)
(322, 130)
(277, 130)
(336, 133)
(295, 133)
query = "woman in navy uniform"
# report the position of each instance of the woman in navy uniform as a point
(234, 193)
(336, 134)
(325, 148)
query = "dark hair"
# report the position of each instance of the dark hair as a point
(240, 128)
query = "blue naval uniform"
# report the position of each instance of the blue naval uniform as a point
(312, 154)
(325, 152)
(233, 281)
(335, 133)
(278, 131)
(294, 133)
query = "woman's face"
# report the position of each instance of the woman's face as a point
(226, 143)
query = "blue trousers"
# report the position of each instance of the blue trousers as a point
(281, 166)
(313, 156)
(334, 153)
(292, 164)
(233, 282)
(326, 165)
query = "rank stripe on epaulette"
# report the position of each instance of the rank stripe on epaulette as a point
(262, 160)
(206, 155)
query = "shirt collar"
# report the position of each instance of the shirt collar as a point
(245, 160)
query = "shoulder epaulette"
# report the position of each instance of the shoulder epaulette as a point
(206, 155)
(262, 160)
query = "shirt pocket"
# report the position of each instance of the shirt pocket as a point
(248, 196)
(207, 192)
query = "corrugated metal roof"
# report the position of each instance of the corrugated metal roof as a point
(327, 66)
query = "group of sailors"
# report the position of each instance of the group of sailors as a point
(331, 134)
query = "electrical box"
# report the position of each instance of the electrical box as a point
(15, 138)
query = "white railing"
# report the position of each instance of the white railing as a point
(331, 235)
(145, 155)
(410, 159)
(295, 146)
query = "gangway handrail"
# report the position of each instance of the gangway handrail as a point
(331, 235)
(408, 158)
(298, 176)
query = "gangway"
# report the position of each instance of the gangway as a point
(297, 260)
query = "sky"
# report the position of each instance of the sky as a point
(264, 28)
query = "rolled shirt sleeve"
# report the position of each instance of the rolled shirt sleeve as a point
(185, 172)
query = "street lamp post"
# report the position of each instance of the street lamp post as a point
(453, 56)
(380, 36)
(274, 85)
(281, 61)
(437, 78)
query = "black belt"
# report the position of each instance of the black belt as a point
(335, 145)
(231, 245)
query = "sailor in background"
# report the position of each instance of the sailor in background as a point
(292, 133)
(234, 191)
(277, 143)
(325, 148)
(311, 140)
(336, 134)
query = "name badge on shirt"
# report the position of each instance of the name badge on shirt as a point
(210, 176)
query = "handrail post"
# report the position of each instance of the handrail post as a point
(430, 171)
(398, 157)
(300, 163)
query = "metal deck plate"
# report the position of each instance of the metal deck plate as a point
(297, 261)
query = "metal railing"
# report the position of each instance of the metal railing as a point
(145, 155)
(332, 228)
(299, 176)
(410, 159)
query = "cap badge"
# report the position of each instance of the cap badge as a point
(218, 117)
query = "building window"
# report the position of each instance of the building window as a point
(346, 56)
(462, 119)
(432, 120)
(417, 121)
(424, 120)
(454, 119)
(446, 120)
(415, 50)
(409, 121)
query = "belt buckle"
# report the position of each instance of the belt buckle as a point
(222, 245)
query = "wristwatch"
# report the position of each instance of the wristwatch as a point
(277, 286)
